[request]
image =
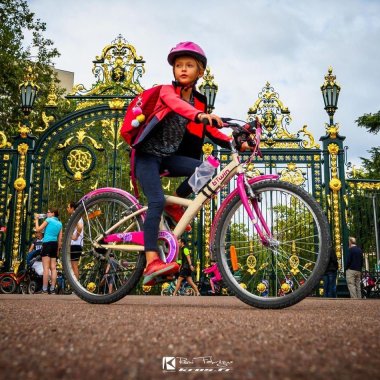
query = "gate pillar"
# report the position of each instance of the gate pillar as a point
(19, 186)
(334, 174)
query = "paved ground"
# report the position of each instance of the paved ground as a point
(62, 337)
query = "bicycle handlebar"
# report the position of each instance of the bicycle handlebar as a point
(249, 131)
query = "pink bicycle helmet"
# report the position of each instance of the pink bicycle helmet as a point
(187, 48)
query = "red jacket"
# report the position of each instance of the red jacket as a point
(170, 100)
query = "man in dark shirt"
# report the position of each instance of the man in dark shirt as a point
(354, 268)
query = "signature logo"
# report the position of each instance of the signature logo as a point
(197, 364)
(168, 363)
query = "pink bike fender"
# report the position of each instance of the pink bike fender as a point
(231, 195)
(112, 190)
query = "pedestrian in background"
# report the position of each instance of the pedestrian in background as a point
(186, 268)
(329, 278)
(354, 266)
(76, 245)
(51, 244)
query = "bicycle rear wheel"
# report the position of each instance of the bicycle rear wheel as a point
(289, 266)
(105, 275)
(167, 290)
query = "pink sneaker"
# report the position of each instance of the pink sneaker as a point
(176, 212)
(158, 268)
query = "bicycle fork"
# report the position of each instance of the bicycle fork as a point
(246, 195)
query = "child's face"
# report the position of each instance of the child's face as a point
(186, 70)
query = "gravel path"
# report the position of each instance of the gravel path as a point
(62, 337)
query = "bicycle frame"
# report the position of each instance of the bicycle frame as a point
(136, 239)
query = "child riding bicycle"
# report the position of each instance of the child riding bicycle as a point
(172, 141)
(216, 277)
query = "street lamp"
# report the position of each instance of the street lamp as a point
(330, 91)
(28, 91)
(209, 89)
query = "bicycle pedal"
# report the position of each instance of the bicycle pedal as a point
(160, 279)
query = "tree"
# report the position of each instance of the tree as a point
(369, 121)
(372, 165)
(16, 20)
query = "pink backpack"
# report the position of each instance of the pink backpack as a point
(139, 113)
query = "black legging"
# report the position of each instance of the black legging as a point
(148, 169)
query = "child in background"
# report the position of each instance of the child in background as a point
(213, 270)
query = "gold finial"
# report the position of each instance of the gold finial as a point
(30, 78)
(52, 97)
(330, 79)
(208, 79)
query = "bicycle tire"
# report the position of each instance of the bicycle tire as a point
(189, 292)
(167, 292)
(98, 213)
(32, 287)
(269, 277)
(7, 285)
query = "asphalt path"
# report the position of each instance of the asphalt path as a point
(153, 337)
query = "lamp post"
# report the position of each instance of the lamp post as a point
(209, 89)
(21, 175)
(330, 91)
(28, 91)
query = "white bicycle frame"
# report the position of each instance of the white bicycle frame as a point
(192, 206)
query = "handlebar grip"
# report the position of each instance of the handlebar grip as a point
(214, 123)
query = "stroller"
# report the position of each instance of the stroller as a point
(33, 280)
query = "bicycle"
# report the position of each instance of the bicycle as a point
(263, 223)
(184, 290)
(11, 282)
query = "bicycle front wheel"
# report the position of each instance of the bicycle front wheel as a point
(105, 275)
(285, 264)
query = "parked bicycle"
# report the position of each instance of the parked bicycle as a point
(263, 223)
(11, 282)
(169, 287)
(370, 285)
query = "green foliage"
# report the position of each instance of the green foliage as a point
(372, 164)
(370, 122)
(360, 220)
(17, 21)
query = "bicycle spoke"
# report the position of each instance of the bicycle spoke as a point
(104, 275)
(286, 263)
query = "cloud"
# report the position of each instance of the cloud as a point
(288, 43)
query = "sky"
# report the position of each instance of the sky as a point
(289, 43)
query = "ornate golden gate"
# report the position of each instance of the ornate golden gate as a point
(70, 156)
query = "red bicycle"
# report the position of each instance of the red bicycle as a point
(11, 282)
